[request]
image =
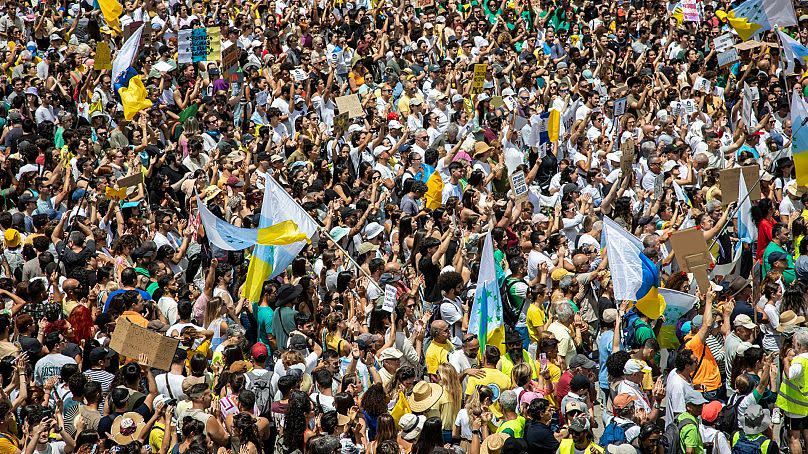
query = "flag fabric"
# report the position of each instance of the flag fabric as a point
(544, 128)
(676, 305)
(747, 233)
(792, 50)
(434, 191)
(486, 319)
(401, 408)
(755, 16)
(184, 54)
(126, 54)
(681, 195)
(634, 276)
(112, 11)
(269, 261)
(214, 52)
(231, 238)
(134, 98)
(799, 139)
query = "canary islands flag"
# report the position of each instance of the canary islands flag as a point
(792, 50)
(486, 319)
(799, 139)
(269, 261)
(755, 16)
(231, 238)
(635, 277)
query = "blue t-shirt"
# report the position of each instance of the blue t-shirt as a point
(143, 294)
(605, 340)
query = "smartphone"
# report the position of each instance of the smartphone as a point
(543, 361)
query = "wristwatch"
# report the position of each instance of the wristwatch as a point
(477, 432)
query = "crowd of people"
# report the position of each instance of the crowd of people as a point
(363, 342)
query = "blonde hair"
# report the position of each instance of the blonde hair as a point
(450, 381)
(213, 310)
(521, 374)
(291, 357)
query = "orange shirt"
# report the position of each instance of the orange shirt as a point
(707, 374)
(135, 318)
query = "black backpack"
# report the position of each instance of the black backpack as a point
(672, 441)
(727, 420)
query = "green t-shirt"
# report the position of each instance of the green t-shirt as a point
(263, 315)
(690, 437)
(788, 273)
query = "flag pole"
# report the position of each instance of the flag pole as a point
(734, 212)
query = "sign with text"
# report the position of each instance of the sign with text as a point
(620, 106)
(479, 78)
(723, 42)
(351, 105)
(130, 340)
(389, 304)
(519, 185)
(728, 57)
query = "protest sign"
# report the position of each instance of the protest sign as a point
(389, 304)
(677, 304)
(728, 57)
(730, 179)
(691, 11)
(519, 185)
(350, 104)
(131, 340)
(692, 255)
(620, 106)
(723, 42)
(479, 78)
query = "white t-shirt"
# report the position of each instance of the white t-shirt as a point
(716, 437)
(174, 381)
(675, 391)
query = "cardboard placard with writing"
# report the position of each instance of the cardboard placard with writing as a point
(728, 57)
(519, 185)
(730, 179)
(103, 56)
(723, 42)
(627, 150)
(341, 122)
(479, 78)
(422, 4)
(351, 105)
(230, 56)
(389, 304)
(131, 340)
(496, 102)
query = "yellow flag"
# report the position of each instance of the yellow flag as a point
(434, 191)
(401, 408)
(112, 11)
(553, 125)
(742, 26)
(134, 98)
(282, 233)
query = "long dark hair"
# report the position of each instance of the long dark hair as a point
(245, 424)
(296, 423)
(431, 436)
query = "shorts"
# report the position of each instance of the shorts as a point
(797, 423)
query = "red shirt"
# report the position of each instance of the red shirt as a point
(764, 236)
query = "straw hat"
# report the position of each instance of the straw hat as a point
(424, 396)
(210, 192)
(788, 319)
(493, 443)
(126, 428)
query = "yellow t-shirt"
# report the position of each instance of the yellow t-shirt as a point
(647, 379)
(493, 378)
(9, 443)
(555, 375)
(436, 355)
(156, 436)
(337, 344)
(535, 321)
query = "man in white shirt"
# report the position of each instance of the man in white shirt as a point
(170, 383)
(464, 359)
(678, 384)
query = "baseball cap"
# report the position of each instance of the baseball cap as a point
(610, 315)
(623, 400)
(580, 424)
(390, 353)
(259, 351)
(776, 256)
(694, 397)
(580, 360)
(633, 366)
(710, 411)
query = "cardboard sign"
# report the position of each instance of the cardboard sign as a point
(351, 105)
(620, 106)
(496, 102)
(519, 185)
(130, 340)
(752, 44)
(730, 179)
(728, 57)
(131, 180)
(389, 304)
(230, 56)
(627, 150)
(103, 56)
(422, 4)
(479, 78)
(747, 111)
(341, 122)
(723, 42)
(692, 255)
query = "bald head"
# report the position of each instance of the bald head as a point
(439, 330)
(701, 161)
(579, 260)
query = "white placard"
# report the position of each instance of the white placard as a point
(748, 99)
(724, 42)
(702, 85)
(689, 106)
(389, 304)
(728, 57)
(519, 184)
(718, 91)
(299, 74)
(620, 106)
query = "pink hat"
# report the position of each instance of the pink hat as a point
(462, 155)
(529, 396)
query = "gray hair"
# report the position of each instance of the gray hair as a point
(712, 205)
(507, 401)
(801, 339)
(564, 312)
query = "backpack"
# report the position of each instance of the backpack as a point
(629, 322)
(261, 385)
(672, 441)
(510, 312)
(744, 445)
(614, 433)
(727, 420)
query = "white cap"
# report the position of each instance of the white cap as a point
(615, 156)
(354, 128)
(483, 97)
(395, 124)
(508, 92)
(379, 150)
(457, 98)
(373, 230)
(668, 166)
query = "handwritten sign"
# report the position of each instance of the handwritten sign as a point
(728, 57)
(350, 104)
(131, 180)
(422, 4)
(627, 156)
(341, 122)
(690, 11)
(389, 304)
(519, 185)
(130, 340)
(692, 255)
(723, 42)
(103, 56)
(620, 106)
(479, 78)
(747, 111)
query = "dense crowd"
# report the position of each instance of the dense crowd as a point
(422, 141)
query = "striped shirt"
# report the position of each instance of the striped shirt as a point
(104, 378)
